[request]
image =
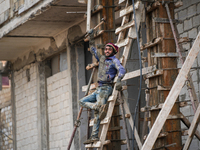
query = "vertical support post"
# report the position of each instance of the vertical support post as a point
(88, 15)
(42, 106)
(13, 111)
(155, 30)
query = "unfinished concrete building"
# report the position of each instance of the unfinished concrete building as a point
(46, 53)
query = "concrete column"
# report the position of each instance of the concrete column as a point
(43, 138)
(13, 111)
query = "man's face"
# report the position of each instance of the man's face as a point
(108, 51)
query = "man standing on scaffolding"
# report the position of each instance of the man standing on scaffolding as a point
(109, 65)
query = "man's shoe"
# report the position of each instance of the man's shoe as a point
(103, 111)
(91, 140)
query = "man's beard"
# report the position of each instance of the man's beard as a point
(112, 54)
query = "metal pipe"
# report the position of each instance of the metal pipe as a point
(88, 15)
(80, 112)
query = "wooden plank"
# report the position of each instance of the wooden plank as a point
(164, 55)
(136, 73)
(104, 121)
(92, 86)
(173, 94)
(152, 43)
(161, 88)
(93, 145)
(129, 9)
(121, 1)
(192, 128)
(123, 43)
(124, 27)
(153, 6)
(154, 74)
(95, 35)
(97, 144)
(127, 76)
(178, 4)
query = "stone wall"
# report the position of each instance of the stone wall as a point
(26, 108)
(59, 110)
(189, 13)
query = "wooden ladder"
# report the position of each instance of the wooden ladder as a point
(124, 41)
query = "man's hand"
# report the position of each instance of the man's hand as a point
(118, 84)
(91, 34)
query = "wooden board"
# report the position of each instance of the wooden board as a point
(127, 76)
(173, 94)
(192, 129)
(129, 9)
(124, 27)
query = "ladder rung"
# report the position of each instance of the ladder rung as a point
(111, 98)
(123, 43)
(121, 1)
(104, 121)
(129, 9)
(96, 9)
(96, 35)
(152, 43)
(93, 145)
(124, 27)
(97, 144)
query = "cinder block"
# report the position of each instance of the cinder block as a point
(187, 24)
(198, 10)
(196, 21)
(182, 14)
(180, 28)
(65, 88)
(66, 80)
(65, 104)
(192, 11)
(193, 33)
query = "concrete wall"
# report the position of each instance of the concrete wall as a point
(190, 14)
(6, 142)
(8, 8)
(26, 109)
(59, 110)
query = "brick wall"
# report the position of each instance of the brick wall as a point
(59, 111)
(189, 13)
(26, 108)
